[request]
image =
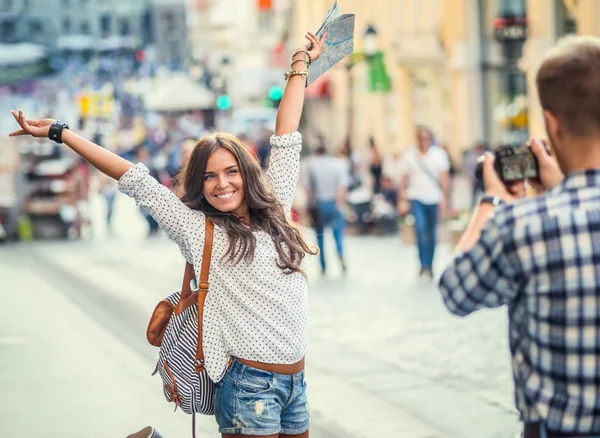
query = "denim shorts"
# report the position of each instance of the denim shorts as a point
(249, 401)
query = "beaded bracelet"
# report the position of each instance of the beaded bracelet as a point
(300, 60)
(291, 73)
(306, 53)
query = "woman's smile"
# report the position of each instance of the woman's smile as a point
(225, 197)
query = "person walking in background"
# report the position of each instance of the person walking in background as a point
(263, 147)
(178, 156)
(375, 166)
(108, 188)
(392, 167)
(470, 168)
(424, 189)
(328, 180)
(143, 156)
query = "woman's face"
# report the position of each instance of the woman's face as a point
(224, 184)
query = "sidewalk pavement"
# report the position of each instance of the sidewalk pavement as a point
(384, 357)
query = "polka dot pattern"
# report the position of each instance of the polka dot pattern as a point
(253, 310)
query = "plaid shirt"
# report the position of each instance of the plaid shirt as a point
(541, 256)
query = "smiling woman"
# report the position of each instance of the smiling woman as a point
(255, 316)
(236, 194)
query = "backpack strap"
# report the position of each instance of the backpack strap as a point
(203, 290)
(188, 277)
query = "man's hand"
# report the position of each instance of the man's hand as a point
(494, 186)
(550, 173)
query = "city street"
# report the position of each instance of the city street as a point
(385, 358)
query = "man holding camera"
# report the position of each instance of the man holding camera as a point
(541, 256)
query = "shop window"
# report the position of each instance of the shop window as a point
(66, 24)
(105, 24)
(503, 32)
(511, 8)
(124, 27)
(566, 21)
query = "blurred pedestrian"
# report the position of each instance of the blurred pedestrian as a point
(424, 190)
(143, 156)
(328, 180)
(255, 315)
(469, 169)
(392, 167)
(108, 189)
(264, 147)
(375, 165)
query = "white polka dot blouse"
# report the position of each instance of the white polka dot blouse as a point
(254, 310)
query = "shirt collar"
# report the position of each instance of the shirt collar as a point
(579, 179)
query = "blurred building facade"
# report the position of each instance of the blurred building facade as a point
(465, 68)
(46, 21)
(169, 31)
(238, 41)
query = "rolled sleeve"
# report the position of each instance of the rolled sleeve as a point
(485, 276)
(284, 166)
(173, 216)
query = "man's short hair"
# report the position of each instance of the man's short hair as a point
(568, 83)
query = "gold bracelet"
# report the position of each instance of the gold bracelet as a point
(300, 60)
(305, 52)
(291, 73)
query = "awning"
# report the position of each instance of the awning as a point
(116, 43)
(76, 42)
(178, 93)
(23, 53)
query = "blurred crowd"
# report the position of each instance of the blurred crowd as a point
(368, 204)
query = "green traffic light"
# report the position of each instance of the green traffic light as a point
(275, 92)
(223, 102)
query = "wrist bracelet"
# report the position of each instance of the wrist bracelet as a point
(291, 73)
(305, 52)
(300, 60)
(55, 131)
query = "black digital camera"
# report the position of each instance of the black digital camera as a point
(513, 163)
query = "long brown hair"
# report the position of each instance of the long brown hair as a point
(265, 210)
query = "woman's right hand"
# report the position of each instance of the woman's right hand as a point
(35, 128)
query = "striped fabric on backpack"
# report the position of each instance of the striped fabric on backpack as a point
(176, 327)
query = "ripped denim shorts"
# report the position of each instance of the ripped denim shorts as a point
(249, 401)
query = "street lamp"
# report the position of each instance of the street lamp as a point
(510, 30)
(372, 54)
(370, 45)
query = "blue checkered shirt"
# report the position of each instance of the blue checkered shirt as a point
(541, 256)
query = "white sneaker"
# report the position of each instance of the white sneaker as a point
(146, 432)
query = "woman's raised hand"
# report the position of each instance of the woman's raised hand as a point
(35, 128)
(315, 46)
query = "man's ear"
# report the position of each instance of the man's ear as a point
(552, 125)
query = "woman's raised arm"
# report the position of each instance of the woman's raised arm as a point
(284, 162)
(179, 221)
(102, 159)
(290, 108)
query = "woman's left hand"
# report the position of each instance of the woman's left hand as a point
(315, 46)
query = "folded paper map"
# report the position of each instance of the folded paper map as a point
(338, 44)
